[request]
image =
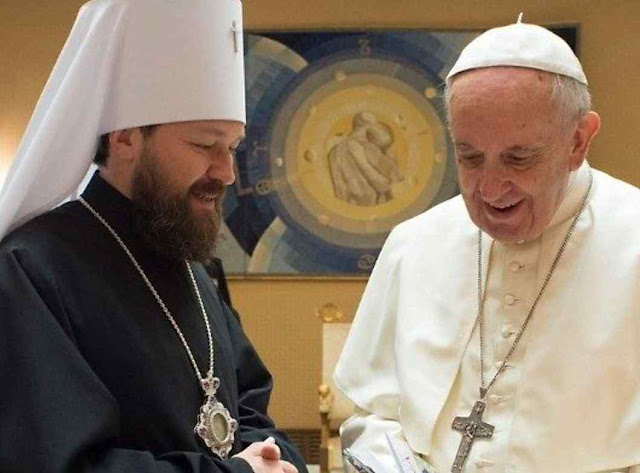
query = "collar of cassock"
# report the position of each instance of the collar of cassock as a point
(578, 183)
(114, 207)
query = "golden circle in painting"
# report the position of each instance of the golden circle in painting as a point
(361, 152)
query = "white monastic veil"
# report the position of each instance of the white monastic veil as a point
(126, 63)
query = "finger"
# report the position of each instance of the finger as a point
(270, 451)
(288, 467)
(270, 440)
(254, 450)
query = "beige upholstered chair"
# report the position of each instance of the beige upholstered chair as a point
(334, 407)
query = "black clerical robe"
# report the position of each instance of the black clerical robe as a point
(93, 376)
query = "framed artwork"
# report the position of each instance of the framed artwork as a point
(346, 138)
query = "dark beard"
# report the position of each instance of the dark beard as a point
(165, 220)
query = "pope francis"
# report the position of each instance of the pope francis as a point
(500, 330)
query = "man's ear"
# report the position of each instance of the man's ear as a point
(125, 146)
(587, 128)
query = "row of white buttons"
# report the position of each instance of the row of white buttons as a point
(506, 332)
(514, 267)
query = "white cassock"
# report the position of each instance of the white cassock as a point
(569, 400)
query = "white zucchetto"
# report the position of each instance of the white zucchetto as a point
(126, 63)
(520, 45)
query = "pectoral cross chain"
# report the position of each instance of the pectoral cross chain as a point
(472, 428)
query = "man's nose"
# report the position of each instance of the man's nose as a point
(223, 168)
(494, 182)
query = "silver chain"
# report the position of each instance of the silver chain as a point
(159, 299)
(482, 295)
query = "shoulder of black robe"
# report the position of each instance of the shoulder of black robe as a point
(94, 379)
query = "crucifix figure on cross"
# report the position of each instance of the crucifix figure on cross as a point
(472, 428)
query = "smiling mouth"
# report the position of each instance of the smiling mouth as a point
(503, 206)
(504, 209)
(208, 191)
(205, 197)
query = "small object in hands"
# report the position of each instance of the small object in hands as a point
(406, 460)
(355, 462)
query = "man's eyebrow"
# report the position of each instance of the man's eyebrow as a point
(463, 147)
(518, 148)
(217, 132)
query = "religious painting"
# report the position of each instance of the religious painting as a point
(346, 137)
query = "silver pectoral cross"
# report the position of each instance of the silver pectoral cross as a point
(236, 36)
(215, 425)
(472, 428)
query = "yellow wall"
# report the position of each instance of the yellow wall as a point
(279, 314)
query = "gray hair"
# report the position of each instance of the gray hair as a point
(572, 98)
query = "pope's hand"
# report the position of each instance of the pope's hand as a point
(264, 457)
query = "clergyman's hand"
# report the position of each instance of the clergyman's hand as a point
(264, 457)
